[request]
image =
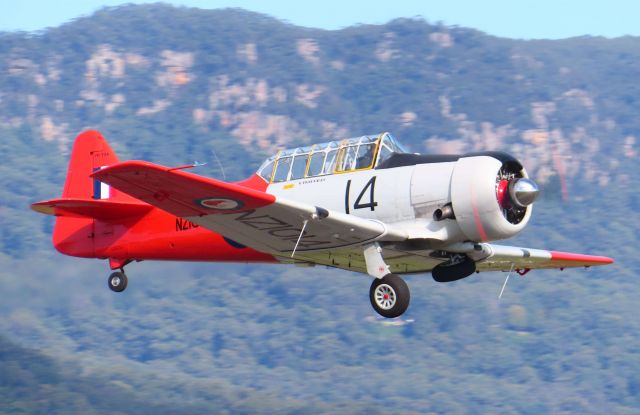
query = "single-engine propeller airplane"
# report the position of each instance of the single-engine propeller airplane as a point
(362, 204)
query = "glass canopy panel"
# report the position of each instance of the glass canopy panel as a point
(384, 153)
(316, 161)
(364, 158)
(266, 170)
(299, 166)
(330, 161)
(393, 144)
(347, 158)
(282, 169)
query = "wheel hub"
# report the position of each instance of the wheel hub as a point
(385, 296)
(115, 281)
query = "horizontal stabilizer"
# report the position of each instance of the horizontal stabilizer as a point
(89, 208)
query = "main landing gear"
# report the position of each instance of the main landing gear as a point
(389, 296)
(118, 281)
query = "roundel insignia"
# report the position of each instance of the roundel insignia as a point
(220, 203)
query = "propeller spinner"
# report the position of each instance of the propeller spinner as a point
(523, 192)
(514, 194)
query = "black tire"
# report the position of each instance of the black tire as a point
(398, 298)
(117, 281)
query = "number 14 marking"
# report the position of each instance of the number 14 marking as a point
(371, 185)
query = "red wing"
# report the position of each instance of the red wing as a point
(181, 193)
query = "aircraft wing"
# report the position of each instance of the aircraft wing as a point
(503, 258)
(244, 215)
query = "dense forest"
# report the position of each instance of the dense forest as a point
(230, 87)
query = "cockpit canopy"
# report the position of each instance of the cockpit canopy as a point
(351, 154)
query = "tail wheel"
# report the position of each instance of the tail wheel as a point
(389, 296)
(118, 281)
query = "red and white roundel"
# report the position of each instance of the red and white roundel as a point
(220, 203)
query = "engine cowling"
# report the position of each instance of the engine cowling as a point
(491, 196)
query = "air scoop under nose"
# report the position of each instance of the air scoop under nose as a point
(523, 192)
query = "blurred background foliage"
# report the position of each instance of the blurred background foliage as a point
(174, 85)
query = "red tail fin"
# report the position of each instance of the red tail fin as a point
(74, 231)
(90, 152)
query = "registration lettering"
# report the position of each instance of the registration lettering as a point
(279, 229)
(185, 225)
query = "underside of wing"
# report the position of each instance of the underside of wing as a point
(504, 258)
(247, 216)
(353, 259)
(489, 258)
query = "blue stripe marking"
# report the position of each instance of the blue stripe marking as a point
(96, 185)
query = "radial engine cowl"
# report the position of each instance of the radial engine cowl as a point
(492, 196)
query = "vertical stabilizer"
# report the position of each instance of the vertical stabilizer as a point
(90, 152)
(75, 236)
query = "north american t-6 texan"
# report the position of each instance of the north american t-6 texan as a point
(362, 204)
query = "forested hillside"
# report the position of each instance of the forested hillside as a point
(229, 87)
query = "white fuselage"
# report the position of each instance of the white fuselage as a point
(407, 197)
(403, 196)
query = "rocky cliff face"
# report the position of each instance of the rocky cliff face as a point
(561, 106)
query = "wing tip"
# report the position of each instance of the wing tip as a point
(591, 259)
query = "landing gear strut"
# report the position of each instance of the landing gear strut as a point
(118, 281)
(389, 296)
